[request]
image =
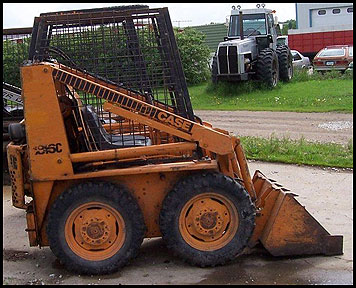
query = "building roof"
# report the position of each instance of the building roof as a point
(214, 33)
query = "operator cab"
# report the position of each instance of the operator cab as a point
(258, 23)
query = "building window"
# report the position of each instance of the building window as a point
(350, 10)
(321, 12)
(336, 11)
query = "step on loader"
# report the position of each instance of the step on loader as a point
(110, 152)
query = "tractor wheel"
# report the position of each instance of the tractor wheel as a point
(207, 219)
(267, 68)
(95, 228)
(214, 71)
(285, 63)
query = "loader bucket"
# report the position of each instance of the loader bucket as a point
(285, 227)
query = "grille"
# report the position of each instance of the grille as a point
(233, 59)
(223, 60)
(228, 60)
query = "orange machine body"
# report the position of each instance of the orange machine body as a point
(44, 167)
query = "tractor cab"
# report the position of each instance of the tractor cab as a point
(253, 23)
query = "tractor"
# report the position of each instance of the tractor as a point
(250, 50)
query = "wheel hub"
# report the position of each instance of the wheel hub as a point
(208, 222)
(207, 219)
(95, 231)
(96, 228)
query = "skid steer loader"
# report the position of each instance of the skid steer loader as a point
(110, 152)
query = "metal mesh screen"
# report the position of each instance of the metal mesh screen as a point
(132, 48)
(100, 130)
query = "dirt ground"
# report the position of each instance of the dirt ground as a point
(326, 193)
(322, 127)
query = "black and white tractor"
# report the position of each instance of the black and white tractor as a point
(250, 50)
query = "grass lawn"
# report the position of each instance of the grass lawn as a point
(300, 151)
(323, 95)
(316, 93)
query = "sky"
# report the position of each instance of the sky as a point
(16, 15)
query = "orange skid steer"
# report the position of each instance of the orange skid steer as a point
(106, 164)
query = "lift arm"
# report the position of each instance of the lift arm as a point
(132, 106)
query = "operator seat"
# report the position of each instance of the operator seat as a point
(105, 140)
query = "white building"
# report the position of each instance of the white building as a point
(324, 16)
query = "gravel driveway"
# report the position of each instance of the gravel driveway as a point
(322, 127)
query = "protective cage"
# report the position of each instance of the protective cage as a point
(130, 47)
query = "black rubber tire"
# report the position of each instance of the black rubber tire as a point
(115, 196)
(267, 68)
(17, 132)
(188, 188)
(285, 59)
(214, 71)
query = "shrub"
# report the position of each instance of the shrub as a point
(194, 55)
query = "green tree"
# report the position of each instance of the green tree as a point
(13, 54)
(289, 24)
(194, 54)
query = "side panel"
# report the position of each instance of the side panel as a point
(148, 189)
(313, 42)
(45, 131)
